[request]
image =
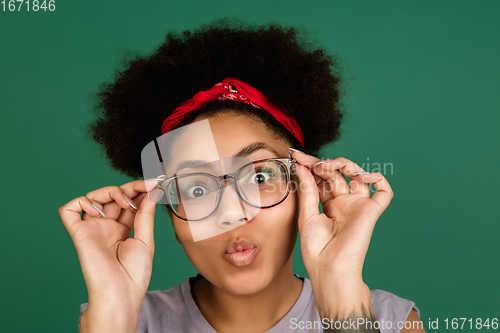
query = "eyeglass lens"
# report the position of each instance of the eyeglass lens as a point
(262, 184)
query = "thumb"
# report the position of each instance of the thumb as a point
(144, 221)
(308, 194)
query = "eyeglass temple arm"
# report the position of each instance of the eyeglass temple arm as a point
(160, 159)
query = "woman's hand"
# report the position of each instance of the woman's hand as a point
(334, 244)
(117, 269)
(337, 240)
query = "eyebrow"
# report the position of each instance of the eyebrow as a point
(248, 150)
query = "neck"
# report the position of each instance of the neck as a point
(228, 312)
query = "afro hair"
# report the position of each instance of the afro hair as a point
(295, 76)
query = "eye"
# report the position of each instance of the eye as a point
(195, 191)
(262, 176)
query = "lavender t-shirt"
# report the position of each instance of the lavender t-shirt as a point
(174, 310)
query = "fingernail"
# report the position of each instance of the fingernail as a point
(360, 173)
(320, 162)
(98, 209)
(130, 202)
(156, 195)
(295, 150)
(160, 178)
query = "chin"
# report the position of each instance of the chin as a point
(246, 281)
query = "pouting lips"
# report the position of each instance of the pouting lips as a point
(241, 253)
(241, 245)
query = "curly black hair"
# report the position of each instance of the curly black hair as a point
(296, 77)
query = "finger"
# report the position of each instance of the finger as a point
(97, 206)
(140, 186)
(308, 195)
(134, 188)
(384, 193)
(337, 183)
(324, 188)
(127, 216)
(70, 212)
(112, 210)
(109, 194)
(133, 193)
(334, 169)
(112, 199)
(144, 222)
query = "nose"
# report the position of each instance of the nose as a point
(231, 212)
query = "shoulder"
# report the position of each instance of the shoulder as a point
(393, 311)
(157, 303)
(164, 310)
(169, 299)
(387, 306)
(386, 302)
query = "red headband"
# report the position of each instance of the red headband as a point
(233, 89)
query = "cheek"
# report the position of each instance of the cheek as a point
(279, 224)
(202, 254)
(181, 230)
(184, 237)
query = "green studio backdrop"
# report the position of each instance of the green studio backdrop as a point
(421, 94)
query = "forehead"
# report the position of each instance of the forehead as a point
(220, 136)
(209, 140)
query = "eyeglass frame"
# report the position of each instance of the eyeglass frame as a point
(287, 161)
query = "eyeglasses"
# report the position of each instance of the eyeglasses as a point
(262, 184)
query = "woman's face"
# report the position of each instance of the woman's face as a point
(272, 230)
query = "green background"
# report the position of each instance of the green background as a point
(421, 93)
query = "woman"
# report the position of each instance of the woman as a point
(263, 95)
